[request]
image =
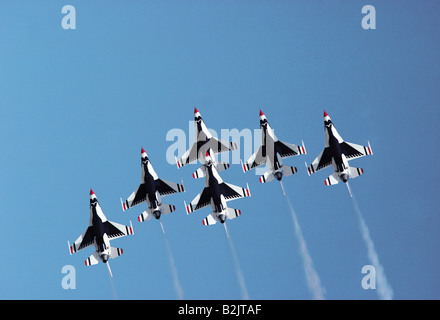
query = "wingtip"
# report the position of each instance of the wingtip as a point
(70, 248)
(248, 190)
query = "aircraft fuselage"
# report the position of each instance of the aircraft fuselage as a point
(271, 149)
(153, 197)
(102, 243)
(333, 141)
(218, 202)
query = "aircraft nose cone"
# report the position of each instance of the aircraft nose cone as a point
(344, 177)
(222, 218)
(104, 258)
(278, 175)
(157, 214)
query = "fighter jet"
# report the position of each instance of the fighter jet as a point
(151, 190)
(338, 152)
(216, 192)
(271, 152)
(203, 141)
(99, 233)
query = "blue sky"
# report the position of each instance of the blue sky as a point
(77, 105)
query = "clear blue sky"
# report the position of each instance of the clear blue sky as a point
(77, 105)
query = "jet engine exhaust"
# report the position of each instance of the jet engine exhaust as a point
(222, 218)
(104, 258)
(157, 214)
(278, 175)
(344, 177)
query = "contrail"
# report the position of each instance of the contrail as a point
(313, 281)
(384, 289)
(115, 296)
(177, 285)
(244, 292)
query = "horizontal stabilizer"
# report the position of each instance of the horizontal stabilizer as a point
(288, 170)
(229, 212)
(199, 173)
(232, 213)
(267, 176)
(115, 252)
(332, 179)
(93, 259)
(167, 208)
(145, 216)
(210, 220)
(355, 172)
(148, 214)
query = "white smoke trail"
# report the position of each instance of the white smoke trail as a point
(177, 286)
(240, 277)
(313, 281)
(384, 289)
(115, 296)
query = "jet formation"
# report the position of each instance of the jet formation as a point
(216, 192)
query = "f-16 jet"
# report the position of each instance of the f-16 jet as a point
(203, 141)
(99, 233)
(337, 153)
(151, 190)
(216, 192)
(271, 152)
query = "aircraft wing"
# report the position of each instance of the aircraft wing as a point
(219, 146)
(190, 155)
(255, 160)
(322, 161)
(288, 149)
(202, 200)
(115, 230)
(353, 151)
(137, 197)
(231, 192)
(86, 239)
(216, 145)
(166, 187)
